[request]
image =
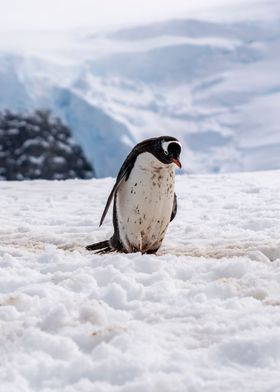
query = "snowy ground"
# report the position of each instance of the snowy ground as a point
(203, 315)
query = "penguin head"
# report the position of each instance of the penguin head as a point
(167, 149)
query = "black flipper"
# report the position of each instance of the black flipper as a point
(109, 201)
(174, 208)
(123, 175)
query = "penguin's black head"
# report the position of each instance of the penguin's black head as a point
(167, 149)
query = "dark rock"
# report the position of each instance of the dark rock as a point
(39, 146)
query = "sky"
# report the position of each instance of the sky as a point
(28, 15)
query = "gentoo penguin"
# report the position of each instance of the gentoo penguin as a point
(144, 198)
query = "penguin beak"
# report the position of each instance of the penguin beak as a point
(177, 162)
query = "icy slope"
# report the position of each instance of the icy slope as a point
(214, 85)
(202, 315)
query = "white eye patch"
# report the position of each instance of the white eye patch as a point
(165, 146)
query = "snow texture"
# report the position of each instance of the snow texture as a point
(202, 315)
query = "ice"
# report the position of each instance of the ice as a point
(213, 84)
(203, 313)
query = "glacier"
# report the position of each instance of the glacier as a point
(213, 85)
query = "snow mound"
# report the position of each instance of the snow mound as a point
(203, 314)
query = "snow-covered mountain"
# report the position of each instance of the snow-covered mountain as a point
(216, 86)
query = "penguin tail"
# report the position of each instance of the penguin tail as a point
(101, 247)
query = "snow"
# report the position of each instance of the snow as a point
(201, 315)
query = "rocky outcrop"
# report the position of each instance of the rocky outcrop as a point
(39, 146)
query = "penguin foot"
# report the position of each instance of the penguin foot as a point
(101, 247)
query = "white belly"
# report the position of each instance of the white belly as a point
(144, 204)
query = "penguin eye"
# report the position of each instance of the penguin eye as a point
(164, 146)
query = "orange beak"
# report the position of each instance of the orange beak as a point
(177, 162)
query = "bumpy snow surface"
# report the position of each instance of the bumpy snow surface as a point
(203, 315)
